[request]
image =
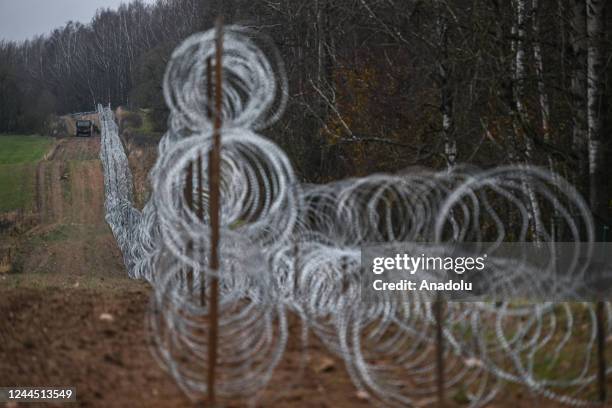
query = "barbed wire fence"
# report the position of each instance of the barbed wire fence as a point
(285, 247)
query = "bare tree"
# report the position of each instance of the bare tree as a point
(595, 104)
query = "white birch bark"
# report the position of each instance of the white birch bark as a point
(520, 116)
(595, 114)
(578, 39)
(446, 96)
(519, 59)
(543, 99)
(539, 68)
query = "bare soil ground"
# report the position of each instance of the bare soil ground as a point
(54, 336)
(51, 333)
(72, 273)
(72, 236)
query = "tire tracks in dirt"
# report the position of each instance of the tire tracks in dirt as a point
(72, 236)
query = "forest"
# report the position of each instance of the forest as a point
(374, 85)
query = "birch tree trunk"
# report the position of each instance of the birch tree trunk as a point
(595, 104)
(542, 94)
(320, 39)
(446, 95)
(519, 59)
(539, 68)
(520, 116)
(578, 39)
(325, 58)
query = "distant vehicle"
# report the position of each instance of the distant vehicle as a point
(84, 128)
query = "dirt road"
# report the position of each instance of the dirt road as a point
(72, 237)
(70, 184)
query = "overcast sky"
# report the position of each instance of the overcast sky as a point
(22, 19)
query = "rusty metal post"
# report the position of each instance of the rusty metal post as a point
(601, 340)
(296, 267)
(188, 193)
(209, 87)
(601, 351)
(200, 214)
(214, 204)
(439, 316)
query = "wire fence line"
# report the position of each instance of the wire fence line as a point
(291, 247)
(131, 228)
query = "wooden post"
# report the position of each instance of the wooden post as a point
(188, 193)
(200, 215)
(214, 204)
(601, 350)
(209, 87)
(296, 267)
(209, 114)
(439, 316)
(601, 340)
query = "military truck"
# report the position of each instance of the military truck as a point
(84, 128)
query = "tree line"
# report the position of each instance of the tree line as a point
(376, 85)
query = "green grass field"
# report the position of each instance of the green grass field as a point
(18, 157)
(17, 149)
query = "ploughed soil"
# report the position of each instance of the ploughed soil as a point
(90, 333)
(53, 335)
(69, 316)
